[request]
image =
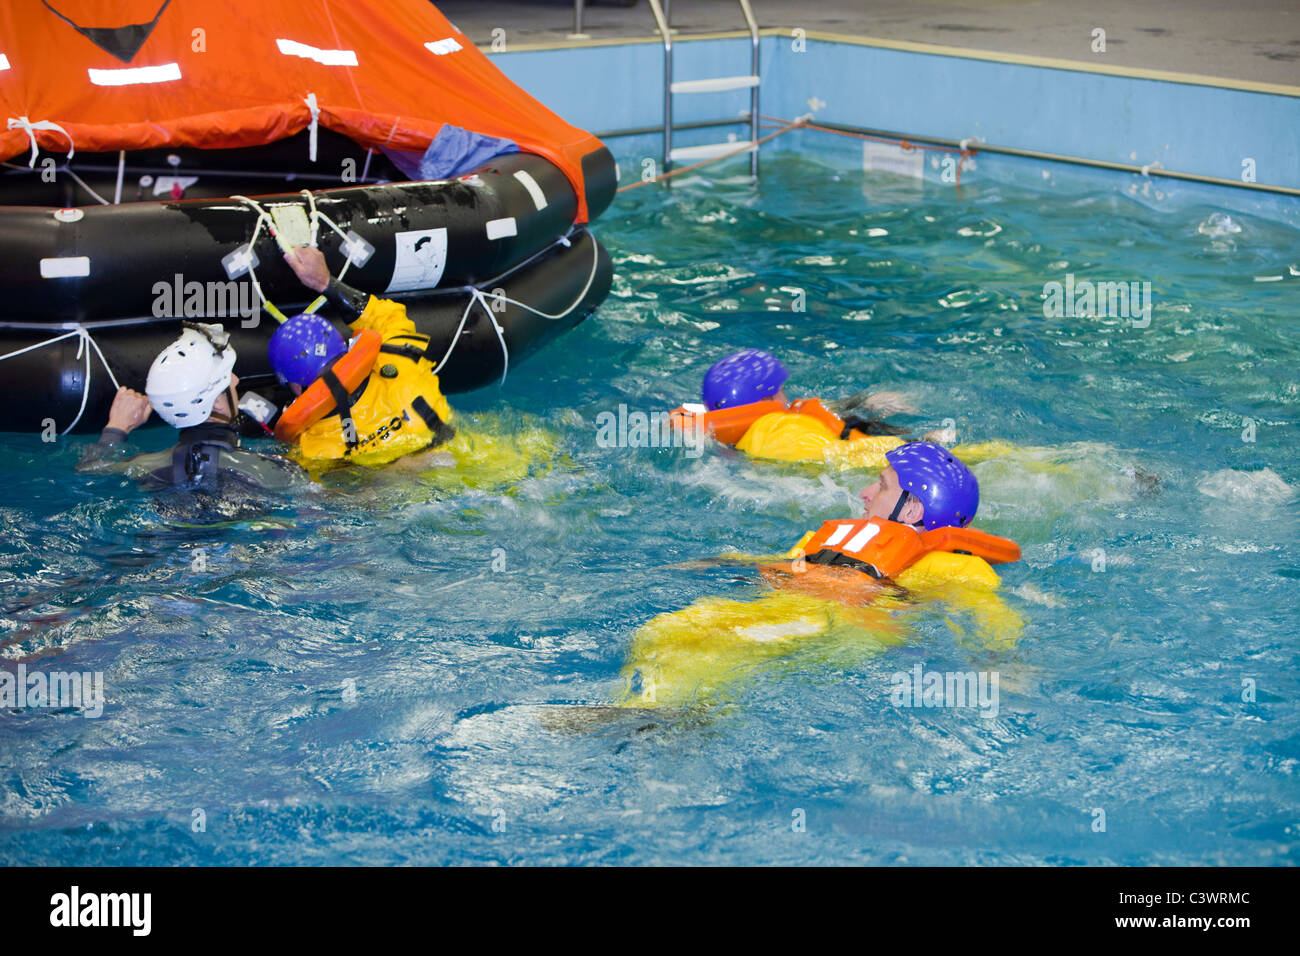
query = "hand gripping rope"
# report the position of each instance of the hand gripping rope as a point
(353, 244)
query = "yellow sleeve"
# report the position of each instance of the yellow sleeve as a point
(386, 317)
(865, 451)
(785, 436)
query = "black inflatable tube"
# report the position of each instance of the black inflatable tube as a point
(493, 218)
(49, 383)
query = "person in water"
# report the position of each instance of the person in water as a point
(745, 405)
(371, 401)
(839, 595)
(192, 386)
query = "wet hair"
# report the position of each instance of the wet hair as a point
(872, 426)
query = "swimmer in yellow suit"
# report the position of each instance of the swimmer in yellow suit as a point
(745, 405)
(369, 402)
(837, 598)
(377, 400)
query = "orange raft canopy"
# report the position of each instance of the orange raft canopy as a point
(107, 75)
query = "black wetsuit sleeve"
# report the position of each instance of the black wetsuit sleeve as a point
(108, 454)
(351, 301)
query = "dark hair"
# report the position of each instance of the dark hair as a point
(871, 426)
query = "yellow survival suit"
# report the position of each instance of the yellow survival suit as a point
(804, 430)
(835, 603)
(399, 408)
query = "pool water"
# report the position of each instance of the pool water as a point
(406, 668)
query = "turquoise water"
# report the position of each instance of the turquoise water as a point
(407, 670)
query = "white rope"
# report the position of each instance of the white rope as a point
(476, 295)
(456, 337)
(83, 336)
(80, 182)
(28, 127)
(262, 217)
(595, 262)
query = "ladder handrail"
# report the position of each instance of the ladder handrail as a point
(661, 23)
(753, 93)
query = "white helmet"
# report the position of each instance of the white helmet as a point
(188, 375)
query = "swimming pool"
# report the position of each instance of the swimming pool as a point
(399, 670)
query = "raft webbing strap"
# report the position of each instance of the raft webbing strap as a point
(83, 336)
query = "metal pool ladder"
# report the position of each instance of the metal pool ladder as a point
(718, 84)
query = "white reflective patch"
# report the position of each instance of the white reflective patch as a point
(65, 267)
(162, 186)
(442, 47)
(324, 57)
(502, 228)
(839, 534)
(421, 257)
(534, 190)
(4, 62)
(803, 627)
(860, 539)
(132, 75)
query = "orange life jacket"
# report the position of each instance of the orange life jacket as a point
(317, 400)
(885, 549)
(728, 425)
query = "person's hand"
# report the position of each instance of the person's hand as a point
(308, 264)
(890, 403)
(941, 436)
(130, 410)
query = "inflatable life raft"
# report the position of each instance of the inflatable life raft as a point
(152, 172)
(489, 265)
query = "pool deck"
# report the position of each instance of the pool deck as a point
(1251, 41)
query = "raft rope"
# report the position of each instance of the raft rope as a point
(30, 128)
(477, 295)
(317, 217)
(964, 150)
(83, 336)
(797, 123)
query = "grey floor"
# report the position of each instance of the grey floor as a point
(1256, 40)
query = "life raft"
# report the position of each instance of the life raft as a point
(489, 263)
(68, 374)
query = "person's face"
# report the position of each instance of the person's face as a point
(222, 404)
(879, 499)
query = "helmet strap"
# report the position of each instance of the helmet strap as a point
(233, 401)
(898, 509)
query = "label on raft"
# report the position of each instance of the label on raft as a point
(421, 257)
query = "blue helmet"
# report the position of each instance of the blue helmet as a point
(303, 347)
(946, 487)
(742, 379)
